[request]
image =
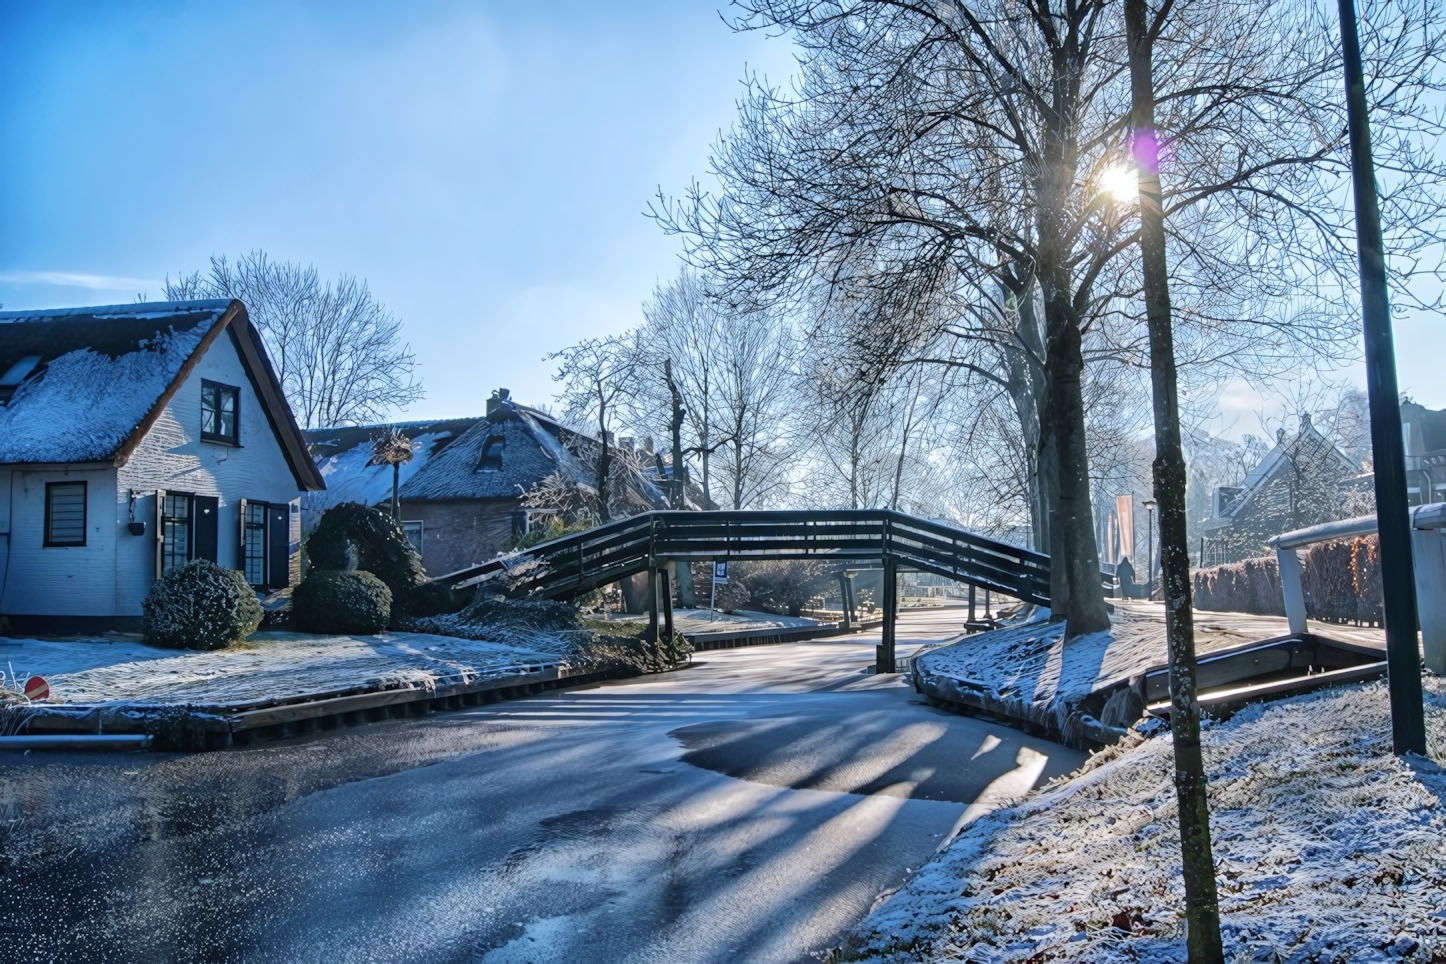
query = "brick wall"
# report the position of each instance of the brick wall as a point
(457, 534)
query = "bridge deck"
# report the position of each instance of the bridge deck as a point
(579, 563)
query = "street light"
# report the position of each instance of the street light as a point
(1150, 547)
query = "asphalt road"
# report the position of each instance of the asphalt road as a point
(747, 809)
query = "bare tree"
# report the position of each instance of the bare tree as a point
(978, 146)
(680, 336)
(753, 371)
(1202, 909)
(338, 351)
(599, 377)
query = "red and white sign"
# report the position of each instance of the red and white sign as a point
(36, 688)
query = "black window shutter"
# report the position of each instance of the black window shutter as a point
(278, 543)
(206, 512)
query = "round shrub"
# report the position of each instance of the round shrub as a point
(339, 601)
(356, 536)
(200, 606)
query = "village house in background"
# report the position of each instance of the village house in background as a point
(1303, 481)
(133, 439)
(462, 494)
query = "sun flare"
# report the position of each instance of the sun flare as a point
(1121, 183)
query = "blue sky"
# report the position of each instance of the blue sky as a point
(483, 165)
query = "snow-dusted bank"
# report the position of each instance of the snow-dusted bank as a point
(274, 679)
(1329, 849)
(1027, 674)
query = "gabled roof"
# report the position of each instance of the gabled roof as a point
(522, 449)
(96, 379)
(1271, 465)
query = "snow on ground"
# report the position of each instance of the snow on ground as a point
(690, 621)
(1030, 663)
(269, 666)
(1328, 849)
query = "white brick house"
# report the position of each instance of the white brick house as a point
(134, 438)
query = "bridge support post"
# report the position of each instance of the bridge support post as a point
(652, 605)
(884, 661)
(845, 601)
(665, 590)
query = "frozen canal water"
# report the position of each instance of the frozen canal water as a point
(747, 809)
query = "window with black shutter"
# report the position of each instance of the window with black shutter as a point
(176, 528)
(266, 544)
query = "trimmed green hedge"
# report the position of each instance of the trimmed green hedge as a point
(355, 536)
(336, 601)
(200, 606)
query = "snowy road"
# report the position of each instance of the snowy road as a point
(747, 809)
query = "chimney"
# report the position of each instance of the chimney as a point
(498, 397)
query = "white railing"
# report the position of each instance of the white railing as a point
(1428, 551)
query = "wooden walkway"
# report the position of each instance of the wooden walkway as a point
(579, 563)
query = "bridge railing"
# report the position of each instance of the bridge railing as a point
(581, 562)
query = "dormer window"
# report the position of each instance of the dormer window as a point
(220, 413)
(491, 460)
(16, 374)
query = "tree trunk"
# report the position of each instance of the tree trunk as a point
(604, 466)
(683, 573)
(1202, 912)
(1084, 610)
(1024, 384)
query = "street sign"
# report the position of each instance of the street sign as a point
(36, 688)
(720, 572)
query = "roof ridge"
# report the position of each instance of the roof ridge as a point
(133, 308)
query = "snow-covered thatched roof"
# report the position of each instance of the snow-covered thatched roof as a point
(502, 456)
(82, 385)
(343, 456)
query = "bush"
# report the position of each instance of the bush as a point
(356, 536)
(775, 585)
(336, 601)
(1341, 579)
(200, 606)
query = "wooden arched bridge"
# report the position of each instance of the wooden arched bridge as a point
(579, 563)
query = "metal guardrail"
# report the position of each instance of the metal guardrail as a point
(586, 560)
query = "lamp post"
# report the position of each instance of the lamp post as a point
(1149, 548)
(1393, 527)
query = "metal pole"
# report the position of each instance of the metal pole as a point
(396, 505)
(1149, 551)
(1403, 659)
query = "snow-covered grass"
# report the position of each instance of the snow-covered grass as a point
(692, 621)
(1030, 663)
(1328, 848)
(269, 666)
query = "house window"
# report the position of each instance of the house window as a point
(220, 413)
(414, 534)
(491, 460)
(65, 513)
(175, 531)
(255, 546)
(266, 544)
